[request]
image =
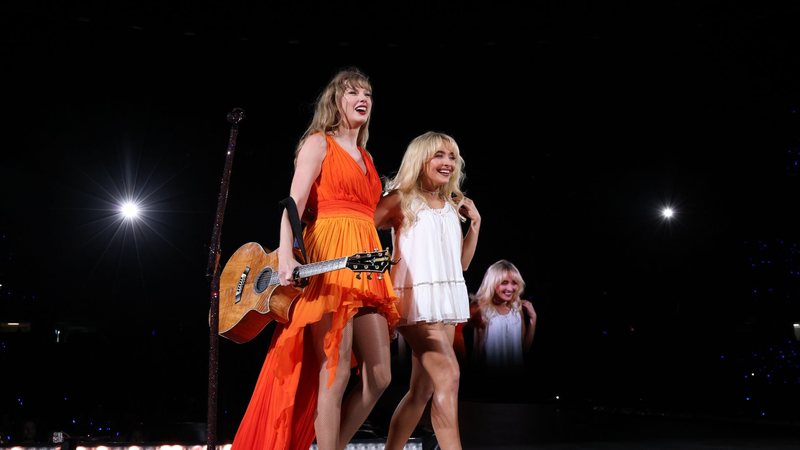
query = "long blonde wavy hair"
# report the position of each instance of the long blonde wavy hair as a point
(408, 180)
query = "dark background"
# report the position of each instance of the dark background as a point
(578, 121)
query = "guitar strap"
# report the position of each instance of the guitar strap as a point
(297, 229)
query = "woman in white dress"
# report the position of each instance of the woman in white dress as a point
(425, 207)
(504, 323)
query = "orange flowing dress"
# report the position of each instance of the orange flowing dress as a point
(339, 222)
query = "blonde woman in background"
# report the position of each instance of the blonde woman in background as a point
(503, 322)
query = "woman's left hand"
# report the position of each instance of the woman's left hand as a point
(468, 209)
(529, 311)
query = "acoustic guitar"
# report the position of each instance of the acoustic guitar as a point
(251, 296)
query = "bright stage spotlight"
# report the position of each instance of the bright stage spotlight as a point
(130, 210)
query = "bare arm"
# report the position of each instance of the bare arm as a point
(309, 165)
(388, 211)
(529, 327)
(478, 324)
(470, 242)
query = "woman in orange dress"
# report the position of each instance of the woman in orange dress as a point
(339, 317)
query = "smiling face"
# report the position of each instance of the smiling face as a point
(506, 289)
(439, 168)
(355, 105)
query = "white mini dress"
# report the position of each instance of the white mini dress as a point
(428, 278)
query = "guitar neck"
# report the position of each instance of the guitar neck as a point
(317, 268)
(309, 270)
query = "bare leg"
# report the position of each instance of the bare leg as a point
(434, 364)
(372, 349)
(409, 411)
(329, 401)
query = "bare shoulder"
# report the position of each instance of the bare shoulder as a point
(314, 147)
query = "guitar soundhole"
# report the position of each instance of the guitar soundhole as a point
(262, 282)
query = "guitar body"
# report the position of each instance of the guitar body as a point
(247, 301)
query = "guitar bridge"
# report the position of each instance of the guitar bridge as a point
(240, 283)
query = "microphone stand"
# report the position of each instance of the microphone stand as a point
(213, 271)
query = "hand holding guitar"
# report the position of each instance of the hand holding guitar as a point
(287, 268)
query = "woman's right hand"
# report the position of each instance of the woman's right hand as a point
(286, 268)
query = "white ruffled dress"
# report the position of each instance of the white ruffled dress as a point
(428, 278)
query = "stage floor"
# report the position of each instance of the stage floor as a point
(542, 426)
(547, 426)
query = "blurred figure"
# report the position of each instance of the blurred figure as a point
(503, 324)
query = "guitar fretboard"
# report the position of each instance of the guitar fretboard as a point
(312, 269)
